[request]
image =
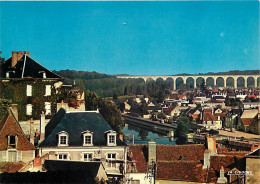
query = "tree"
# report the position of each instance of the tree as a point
(114, 97)
(182, 130)
(91, 100)
(122, 106)
(108, 110)
(161, 115)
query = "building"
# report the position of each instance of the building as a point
(28, 84)
(14, 145)
(83, 136)
(212, 119)
(249, 121)
(175, 164)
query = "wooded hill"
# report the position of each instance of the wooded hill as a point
(107, 85)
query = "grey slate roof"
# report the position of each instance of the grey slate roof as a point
(31, 69)
(74, 123)
(60, 165)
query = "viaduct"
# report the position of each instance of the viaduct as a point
(233, 79)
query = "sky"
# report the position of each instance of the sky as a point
(136, 38)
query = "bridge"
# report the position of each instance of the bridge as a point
(254, 80)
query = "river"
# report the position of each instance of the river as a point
(142, 135)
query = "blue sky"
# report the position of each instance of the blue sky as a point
(159, 38)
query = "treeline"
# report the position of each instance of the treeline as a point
(234, 72)
(108, 85)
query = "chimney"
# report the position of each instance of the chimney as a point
(32, 131)
(211, 143)
(16, 56)
(151, 152)
(42, 131)
(206, 163)
(222, 179)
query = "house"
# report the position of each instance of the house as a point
(249, 121)
(194, 163)
(28, 84)
(231, 120)
(251, 105)
(174, 111)
(83, 136)
(252, 166)
(194, 114)
(73, 100)
(14, 145)
(211, 120)
(127, 106)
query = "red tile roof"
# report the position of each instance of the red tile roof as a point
(11, 127)
(183, 152)
(208, 116)
(138, 154)
(181, 171)
(185, 162)
(169, 109)
(251, 96)
(11, 167)
(247, 121)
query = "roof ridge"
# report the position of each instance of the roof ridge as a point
(44, 67)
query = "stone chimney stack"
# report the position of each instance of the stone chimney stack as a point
(211, 143)
(222, 179)
(206, 163)
(32, 132)
(17, 55)
(151, 152)
(42, 131)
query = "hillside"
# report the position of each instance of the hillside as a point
(107, 85)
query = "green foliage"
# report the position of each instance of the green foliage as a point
(182, 130)
(161, 115)
(15, 90)
(4, 105)
(108, 110)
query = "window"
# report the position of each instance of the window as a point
(63, 156)
(47, 90)
(63, 138)
(47, 108)
(87, 156)
(12, 141)
(111, 138)
(87, 138)
(29, 90)
(111, 160)
(29, 109)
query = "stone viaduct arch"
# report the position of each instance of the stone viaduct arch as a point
(254, 79)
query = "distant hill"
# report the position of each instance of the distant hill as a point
(107, 85)
(231, 72)
(72, 74)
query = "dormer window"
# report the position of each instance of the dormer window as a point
(12, 141)
(63, 138)
(87, 138)
(111, 138)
